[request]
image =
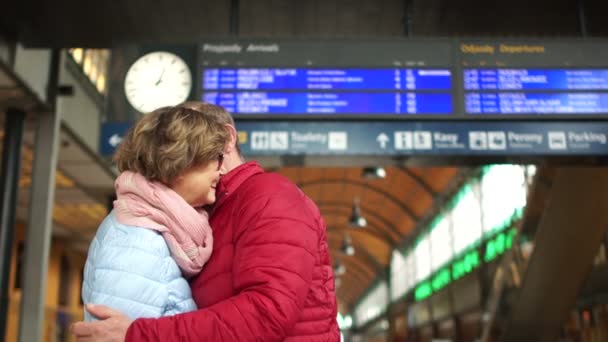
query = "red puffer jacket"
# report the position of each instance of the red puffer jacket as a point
(270, 276)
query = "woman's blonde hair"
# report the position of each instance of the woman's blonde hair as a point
(217, 112)
(170, 140)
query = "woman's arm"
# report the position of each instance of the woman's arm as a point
(130, 270)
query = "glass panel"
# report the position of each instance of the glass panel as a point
(530, 172)
(410, 271)
(466, 220)
(77, 54)
(441, 243)
(104, 56)
(503, 189)
(94, 65)
(101, 84)
(423, 259)
(87, 62)
(373, 305)
(398, 281)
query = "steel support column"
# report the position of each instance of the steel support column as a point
(567, 240)
(40, 226)
(9, 182)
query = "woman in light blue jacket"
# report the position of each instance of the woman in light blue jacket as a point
(130, 268)
(158, 234)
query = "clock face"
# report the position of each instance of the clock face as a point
(157, 79)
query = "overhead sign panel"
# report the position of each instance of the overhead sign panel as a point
(423, 138)
(112, 134)
(406, 79)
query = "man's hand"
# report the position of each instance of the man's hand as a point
(112, 326)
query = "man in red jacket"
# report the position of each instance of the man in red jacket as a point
(269, 278)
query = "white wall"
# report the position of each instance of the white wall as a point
(80, 111)
(33, 66)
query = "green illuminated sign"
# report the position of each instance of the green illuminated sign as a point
(441, 279)
(424, 290)
(499, 244)
(466, 264)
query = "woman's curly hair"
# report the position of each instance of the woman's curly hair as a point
(170, 140)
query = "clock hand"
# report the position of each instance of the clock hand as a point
(160, 78)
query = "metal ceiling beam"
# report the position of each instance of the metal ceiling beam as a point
(421, 182)
(345, 300)
(353, 265)
(349, 288)
(372, 229)
(15, 93)
(356, 280)
(582, 17)
(361, 252)
(440, 200)
(408, 18)
(367, 270)
(369, 213)
(354, 272)
(235, 7)
(407, 210)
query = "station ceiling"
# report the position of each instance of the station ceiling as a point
(71, 23)
(394, 207)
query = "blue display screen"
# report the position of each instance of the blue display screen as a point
(536, 103)
(331, 102)
(326, 79)
(536, 79)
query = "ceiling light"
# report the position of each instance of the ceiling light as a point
(374, 172)
(347, 246)
(339, 269)
(356, 219)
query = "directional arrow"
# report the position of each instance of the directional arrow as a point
(382, 140)
(115, 139)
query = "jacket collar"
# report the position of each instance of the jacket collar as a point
(233, 179)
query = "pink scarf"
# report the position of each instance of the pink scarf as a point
(154, 206)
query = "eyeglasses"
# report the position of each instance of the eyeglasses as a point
(220, 161)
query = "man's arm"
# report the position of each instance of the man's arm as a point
(274, 258)
(112, 326)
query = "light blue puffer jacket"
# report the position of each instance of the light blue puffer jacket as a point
(130, 269)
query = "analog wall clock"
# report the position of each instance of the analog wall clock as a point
(157, 79)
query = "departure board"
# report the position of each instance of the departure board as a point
(406, 79)
(540, 103)
(534, 79)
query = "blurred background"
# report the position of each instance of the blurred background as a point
(456, 149)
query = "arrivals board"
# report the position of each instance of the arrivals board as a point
(328, 79)
(406, 79)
